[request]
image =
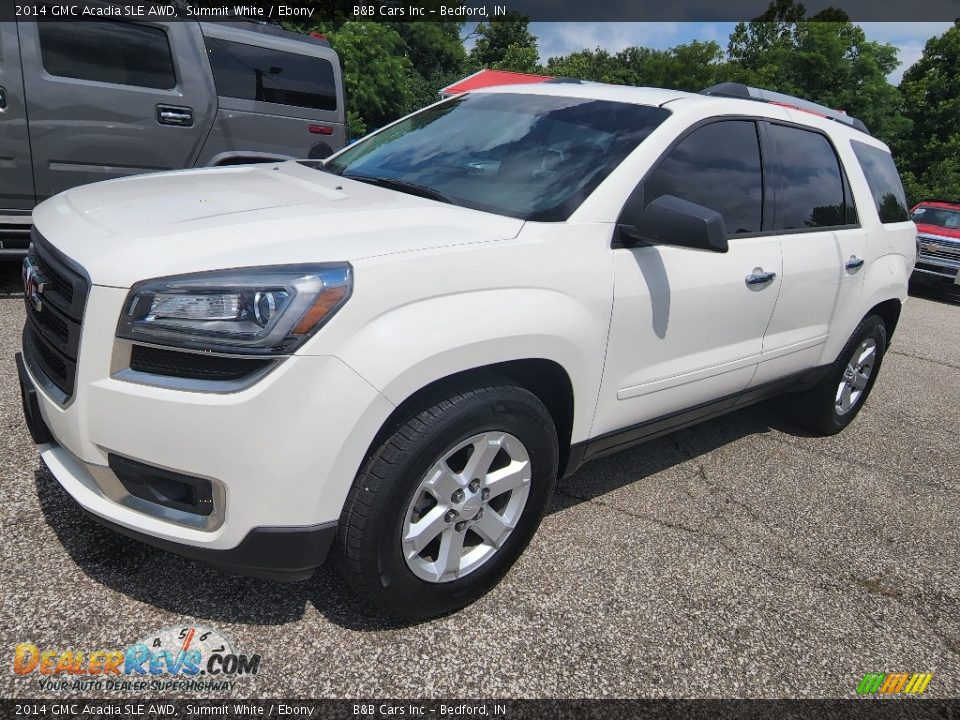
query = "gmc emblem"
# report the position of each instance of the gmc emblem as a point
(33, 285)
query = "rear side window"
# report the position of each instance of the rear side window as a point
(248, 72)
(716, 166)
(110, 52)
(811, 188)
(884, 182)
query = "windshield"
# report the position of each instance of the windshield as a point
(534, 157)
(942, 217)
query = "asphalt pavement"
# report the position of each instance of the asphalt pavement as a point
(740, 558)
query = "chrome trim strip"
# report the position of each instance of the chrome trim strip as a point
(939, 238)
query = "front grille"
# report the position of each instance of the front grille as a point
(942, 253)
(51, 336)
(939, 248)
(193, 366)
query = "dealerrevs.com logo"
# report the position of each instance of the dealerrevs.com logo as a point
(182, 658)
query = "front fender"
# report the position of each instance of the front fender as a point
(412, 346)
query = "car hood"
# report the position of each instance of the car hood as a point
(924, 229)
(126, 230)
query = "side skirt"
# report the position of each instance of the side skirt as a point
(618, 440)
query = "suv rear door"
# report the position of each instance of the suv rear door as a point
(108, 98)
(16, 173)
(823, 246)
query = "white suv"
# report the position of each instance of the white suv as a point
(391, 356)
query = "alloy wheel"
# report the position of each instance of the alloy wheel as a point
(856, 376)
(466, 506)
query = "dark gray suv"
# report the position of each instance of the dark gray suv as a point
(82, 102)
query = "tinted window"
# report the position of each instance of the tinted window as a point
(811, 186)
(248, 72)
(535, 157)
(717, 166)
(110, 52)
(884, 182)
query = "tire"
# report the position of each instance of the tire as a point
(832, 404)
(418, 473)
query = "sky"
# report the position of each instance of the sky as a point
(558, 38)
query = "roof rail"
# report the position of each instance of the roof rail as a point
(745, 92)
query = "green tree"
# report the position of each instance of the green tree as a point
(505, 43)
(824, 58)
(931, 101)
(685, 67)
(436, 55)
(376, 73)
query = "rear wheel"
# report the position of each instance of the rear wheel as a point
(835, 401)
(447, 502)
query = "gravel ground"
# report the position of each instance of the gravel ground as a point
(740, 558)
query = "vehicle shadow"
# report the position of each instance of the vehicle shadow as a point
(189, 588)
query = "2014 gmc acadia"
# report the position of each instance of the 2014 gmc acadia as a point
(391, 355)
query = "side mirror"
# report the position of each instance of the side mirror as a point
(668, 220)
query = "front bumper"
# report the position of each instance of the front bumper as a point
(280, 454)
(276, 553)
(284, 554)
(938, 261)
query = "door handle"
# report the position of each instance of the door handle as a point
(3, 98)
(854, 263)
(170, 115)
(759, 277)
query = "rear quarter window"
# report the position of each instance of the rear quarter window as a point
(884, 182)
(249, 72)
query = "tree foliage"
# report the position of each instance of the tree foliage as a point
(824, 58)
(685, 67)
(931, 101)
(505, 44)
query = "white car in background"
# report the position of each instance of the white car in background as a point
(390, 357)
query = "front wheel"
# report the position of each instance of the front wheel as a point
(446, 503)
(835, 401)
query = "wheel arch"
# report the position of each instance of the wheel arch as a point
(889, 312)
(546, 379)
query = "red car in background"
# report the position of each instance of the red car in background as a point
(938, 239)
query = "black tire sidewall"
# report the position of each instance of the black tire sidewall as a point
(510, 410)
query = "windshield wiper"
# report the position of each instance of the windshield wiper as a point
(403, 186)
(315, 165)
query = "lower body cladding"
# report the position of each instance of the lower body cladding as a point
(251, 481)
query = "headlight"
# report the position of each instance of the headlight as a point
(259, 311)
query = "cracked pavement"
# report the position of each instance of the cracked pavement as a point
(739, 558)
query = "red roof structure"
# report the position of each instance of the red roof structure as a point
(491, 78)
